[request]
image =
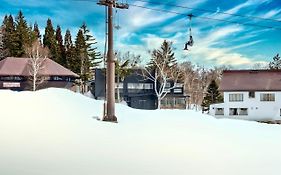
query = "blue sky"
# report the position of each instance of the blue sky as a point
(216, 43)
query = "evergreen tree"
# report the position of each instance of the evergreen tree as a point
(163, 55)
(69, 49)
(94, 56)
(81, 50)
(23, 33)
(213, 96)
(82, 67)
(10, 39)
(276, 63)
(60, 49)
(49, 40)
(36, 31)
(2, 50)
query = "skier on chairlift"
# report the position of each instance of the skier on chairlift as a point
(190, 42)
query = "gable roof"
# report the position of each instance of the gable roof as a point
(251, 80)
(20, 67)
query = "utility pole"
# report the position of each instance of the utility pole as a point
(110, 69)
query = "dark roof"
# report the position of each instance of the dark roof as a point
(20, 67)
(251, 80)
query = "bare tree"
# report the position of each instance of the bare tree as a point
(161, 76)
(196, 80)
(38, 55)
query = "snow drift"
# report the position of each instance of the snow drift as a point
(52, 132)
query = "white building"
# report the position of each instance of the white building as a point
(250, 95)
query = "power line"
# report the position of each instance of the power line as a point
(207, 18)
(210, 11)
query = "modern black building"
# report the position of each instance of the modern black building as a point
(139, 92)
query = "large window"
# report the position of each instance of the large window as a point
(173, 102)
(238, 111)
(178, 90)
(219, 111)
(267, 97)
(235, 97)
(243, 111)
(140, 86)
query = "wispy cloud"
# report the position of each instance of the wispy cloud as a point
(271, 13)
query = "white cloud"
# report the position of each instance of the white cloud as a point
(271, 13)
(239, 46)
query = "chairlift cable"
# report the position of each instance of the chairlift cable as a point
(207, 18)
(210, 11)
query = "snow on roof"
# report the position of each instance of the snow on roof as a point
(20, 67)
(251, 80)
(53, 131)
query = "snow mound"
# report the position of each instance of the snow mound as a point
(52, 132)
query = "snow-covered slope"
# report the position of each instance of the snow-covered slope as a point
(52, 132)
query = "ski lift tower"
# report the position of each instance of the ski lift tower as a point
(110, 69)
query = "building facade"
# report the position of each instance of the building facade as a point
(250, 95)
(15, 74)
(139, 92)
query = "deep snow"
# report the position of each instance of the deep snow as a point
(52, 132)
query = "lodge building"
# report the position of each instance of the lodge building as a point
(15, 74)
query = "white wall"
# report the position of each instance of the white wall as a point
(257, 110)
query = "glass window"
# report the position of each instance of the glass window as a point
(177, 90)
(180, 101)
(178, 85)
(243, 111)
(148, 86)
(233, 111)
(140, 86)
(235, 97)
(168, 85)
(267, 97)
(219, 111)
(252, 94)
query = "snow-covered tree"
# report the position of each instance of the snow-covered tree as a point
(38, 55)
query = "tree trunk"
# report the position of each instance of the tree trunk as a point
(159, 103)
(34, 82)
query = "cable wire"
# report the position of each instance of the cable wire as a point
(210, 11)
(207, 18)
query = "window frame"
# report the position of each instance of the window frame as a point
(236, 97)
(267, 97)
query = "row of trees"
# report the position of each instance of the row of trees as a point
(80, 56)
